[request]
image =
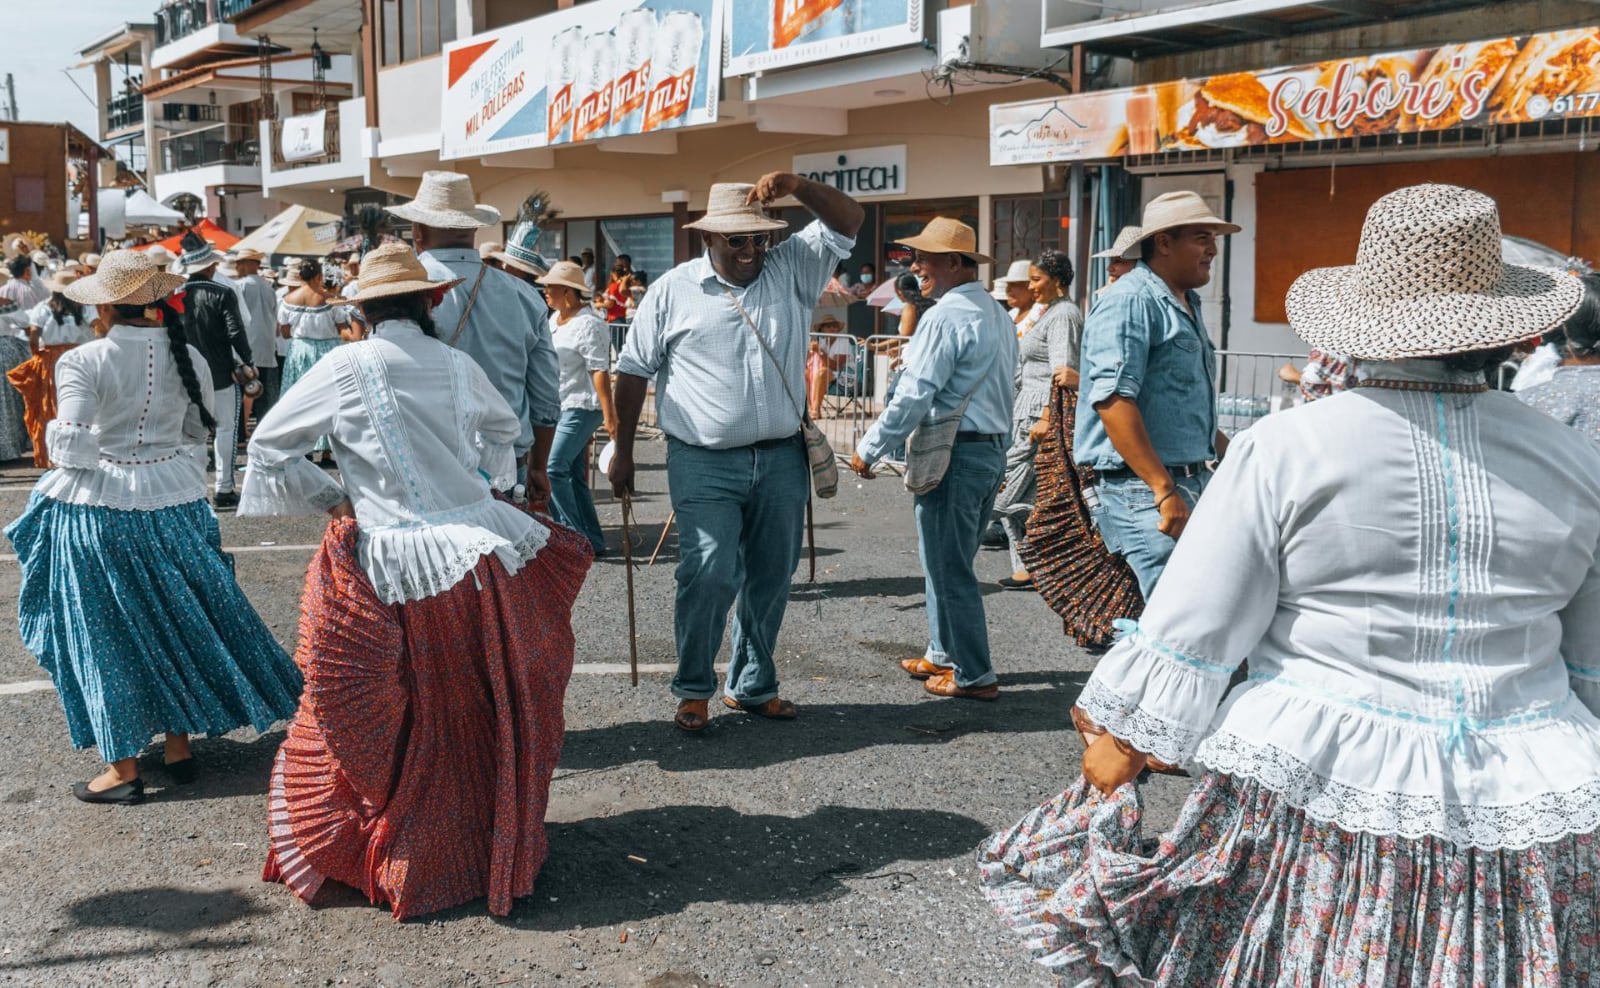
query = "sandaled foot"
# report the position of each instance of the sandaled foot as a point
(921, 668)
(692, 716)
(945, 685)
(776, 708)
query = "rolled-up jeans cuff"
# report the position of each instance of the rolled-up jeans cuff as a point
(684, 694)
(754, 701)
(986, 679)
(939, 659)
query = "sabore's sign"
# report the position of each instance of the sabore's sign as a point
(858, 171)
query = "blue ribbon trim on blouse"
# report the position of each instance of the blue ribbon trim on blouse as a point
(1461, 724)
(1130, 630)
(1457, 725)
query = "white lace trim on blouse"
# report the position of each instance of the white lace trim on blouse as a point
(85, 475)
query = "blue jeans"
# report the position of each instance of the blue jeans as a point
(741, 515)
(950, 521)
(1128, 518)
(571, 504)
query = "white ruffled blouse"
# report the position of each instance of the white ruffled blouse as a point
(126, 435)
(1414, 578)
(420, 435)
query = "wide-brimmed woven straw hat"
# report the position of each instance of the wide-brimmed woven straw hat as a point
(1126, 246)
(445, 200)
(567, 274)
(944, 235)
(729, 211)
(1428, 282)
(247, 254)
(59, 281)
(1175, 209)
(125, 277)
(394, 269)
(90, 260)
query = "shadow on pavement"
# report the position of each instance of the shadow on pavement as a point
(228, 768)
(741, 741)
(690, 854)
(162, 909)
(872, 586)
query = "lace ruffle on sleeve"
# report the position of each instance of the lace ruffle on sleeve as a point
(293, 487)
(72, 445)
(1155, 696)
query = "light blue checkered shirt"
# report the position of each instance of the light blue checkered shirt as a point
(715, 386)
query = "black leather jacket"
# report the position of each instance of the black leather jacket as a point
(214, 326)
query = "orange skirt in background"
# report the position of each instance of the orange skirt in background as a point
(35, 378)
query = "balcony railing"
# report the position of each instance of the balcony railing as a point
(330, 144)
(124, 111)
(222, 144)
(191, 113)
(180, 18)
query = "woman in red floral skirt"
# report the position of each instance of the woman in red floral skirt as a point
(436, 636)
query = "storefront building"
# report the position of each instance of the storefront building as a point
(1296, 150)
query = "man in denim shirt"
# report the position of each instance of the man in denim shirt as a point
(1147, 420)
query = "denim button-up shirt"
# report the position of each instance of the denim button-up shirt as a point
(1140, 343)
(508, 334)
(963, 345)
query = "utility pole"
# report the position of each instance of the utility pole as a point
(9, 104)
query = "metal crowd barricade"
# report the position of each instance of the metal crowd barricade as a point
(857, 388)
(1248, 387)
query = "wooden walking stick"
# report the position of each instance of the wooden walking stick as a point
(811, 539)
(627, 556)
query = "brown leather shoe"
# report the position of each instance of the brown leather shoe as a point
(945, 685)
(921, 668)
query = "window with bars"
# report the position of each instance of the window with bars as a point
(414, 29)
(1025, 225)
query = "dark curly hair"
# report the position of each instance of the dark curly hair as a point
(1055, 264)
(413, 306)
(1582, 330)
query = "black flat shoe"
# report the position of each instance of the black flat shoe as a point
(1011, 583)
(126, 794)
(184, 772)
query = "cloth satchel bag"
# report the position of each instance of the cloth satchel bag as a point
(819, 453)
(929, 446)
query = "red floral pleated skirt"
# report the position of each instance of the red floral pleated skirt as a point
(418, 767)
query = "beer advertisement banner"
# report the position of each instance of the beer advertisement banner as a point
(1484, 83)
(770, 34)
(607, 68)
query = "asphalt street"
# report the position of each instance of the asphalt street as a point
(833, 850)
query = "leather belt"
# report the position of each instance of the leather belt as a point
(1181, 470)
(978, 437)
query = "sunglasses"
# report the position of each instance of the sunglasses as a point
(739, 241)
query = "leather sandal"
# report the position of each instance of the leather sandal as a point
(126, 794)
(776, 708)
(1089, 731)
(692, 716)
(921, 668)
(945, 685)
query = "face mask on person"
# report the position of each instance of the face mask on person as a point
(866, 277)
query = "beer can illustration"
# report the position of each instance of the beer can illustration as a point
(636, 37)
(591, 113)
(561, 78)
(810, 20)
(673, 68)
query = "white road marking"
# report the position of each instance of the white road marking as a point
(28, 686)
(581, 669)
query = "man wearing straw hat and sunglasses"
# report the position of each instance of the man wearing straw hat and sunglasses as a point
(961, 363)
(725, 336)
(491, 316)
(1146, 421)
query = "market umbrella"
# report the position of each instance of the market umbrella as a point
(882, 296)
(141, 209)
(208, 231)
(298, 230)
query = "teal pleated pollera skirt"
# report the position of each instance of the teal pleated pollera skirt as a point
(139, 621)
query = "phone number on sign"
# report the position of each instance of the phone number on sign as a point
(1543, 106)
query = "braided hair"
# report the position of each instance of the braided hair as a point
(63, 306)
(180, 351)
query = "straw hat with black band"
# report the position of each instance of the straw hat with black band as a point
(567, 275)
(729, 212)
(944, 235)
(125, 277)
(1429, 281)
(391, 270)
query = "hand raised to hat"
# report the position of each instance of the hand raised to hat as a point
(774, 186)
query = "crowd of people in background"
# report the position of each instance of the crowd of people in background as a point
(1381, 663)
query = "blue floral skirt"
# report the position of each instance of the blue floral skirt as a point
(138, 620)
(302, 356)
(1245, 890)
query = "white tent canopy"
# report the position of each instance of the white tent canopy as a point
(141, 209)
